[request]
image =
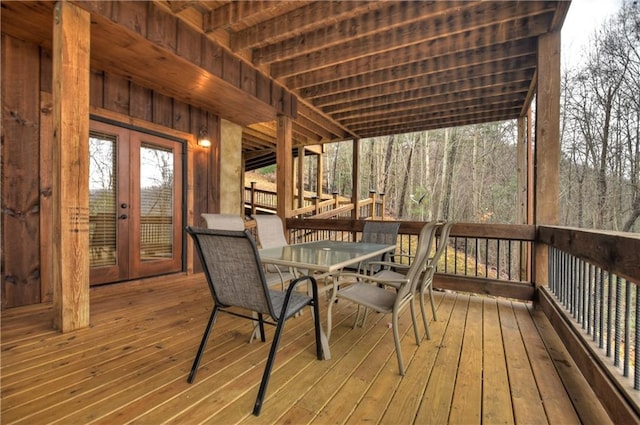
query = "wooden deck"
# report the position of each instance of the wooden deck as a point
(488, 361)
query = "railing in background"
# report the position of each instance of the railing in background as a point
(264, 201)
(481, 258)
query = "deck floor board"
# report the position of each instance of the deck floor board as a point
(488, 361)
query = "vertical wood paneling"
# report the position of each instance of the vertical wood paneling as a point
(212, 58)
(161, 27)
(140, 100)
(71, 36)
(20, 157)
(189, 43)
(46, 71)
(46, 196)
(181, 116)
(263, 88)
(162, 109)
(116, 93)
(231, 69)
(96, 89)
(131, 15)
(248, 78)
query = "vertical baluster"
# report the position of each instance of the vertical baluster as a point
(636, 345)
(609, 307)
(627, 326)
(509, 260)
(589, 298)
(477, 255)
(618, 331)
(583, 306)
(465, 256)
(601, 308)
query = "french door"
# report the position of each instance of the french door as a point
(135, 204)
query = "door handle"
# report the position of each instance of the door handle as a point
(123, 205)
(122, 217)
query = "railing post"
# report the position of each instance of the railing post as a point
(382, 205)
(253, 198)
(372, 194)
(316, 201)
(336, 200)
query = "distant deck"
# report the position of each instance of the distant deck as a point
(488, 361)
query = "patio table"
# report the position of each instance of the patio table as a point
(327, 257)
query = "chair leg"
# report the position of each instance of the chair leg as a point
(433, 306)
(261, 326)
(203, 344)
(317, 324)
(423, 312)
(396, 340)
(267, 369)
(414, 321)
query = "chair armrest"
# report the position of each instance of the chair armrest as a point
(372, 279)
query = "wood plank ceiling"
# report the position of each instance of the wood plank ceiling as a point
(371, 68)
(386, 67)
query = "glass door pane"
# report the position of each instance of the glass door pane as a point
(156, 202)
(102, 200)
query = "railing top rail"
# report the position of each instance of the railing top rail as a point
(470, 230)
(616, 252)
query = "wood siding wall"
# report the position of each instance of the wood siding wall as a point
(26, 93)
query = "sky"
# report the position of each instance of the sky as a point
(582, 20)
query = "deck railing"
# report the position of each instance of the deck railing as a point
(485, 259)
(593, 279)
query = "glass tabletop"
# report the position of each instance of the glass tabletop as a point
(324, 256)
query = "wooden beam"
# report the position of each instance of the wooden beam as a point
(505, 70)
(427, 37)
(302, 19)
(453, 91)
(284, 173)
(71, 70)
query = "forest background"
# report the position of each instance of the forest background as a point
(469, 174)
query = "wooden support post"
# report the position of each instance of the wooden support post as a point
(355, 178)
(253, 198)
(372, 194)
(284, 173)
(382, 206)
(300, 177)
(320, 176)
(547, 152)
(523, 191)
(71, 35)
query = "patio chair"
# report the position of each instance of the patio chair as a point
(382, 232)
(232, 266)
(271, 234)
(390, 271)
(430, 271)
(365, 291)
(223, 221)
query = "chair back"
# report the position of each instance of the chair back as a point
(445, 229)
(232, 267)
(425, 240)
(223, 221)
(270, 230)
(383, 232)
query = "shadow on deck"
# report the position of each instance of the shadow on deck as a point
(488, 361)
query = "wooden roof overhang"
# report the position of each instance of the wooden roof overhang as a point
(342, 70)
